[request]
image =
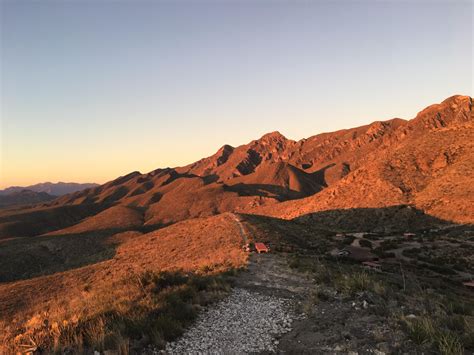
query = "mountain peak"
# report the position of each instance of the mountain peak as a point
(456, 98)
(226, 148)
(275, 135)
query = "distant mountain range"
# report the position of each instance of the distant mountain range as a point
(47, 191)
(426, 163)
(51, 188)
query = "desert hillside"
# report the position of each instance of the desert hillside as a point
(24, 197)
(128, 265)
(428, 164)
(425, 162)
(84, 280)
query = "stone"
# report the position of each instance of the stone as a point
(245, 322)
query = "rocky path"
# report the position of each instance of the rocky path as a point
(259, 311)
(264, 315)
(245, 322)
(243, 233)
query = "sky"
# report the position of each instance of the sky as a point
(91, 90)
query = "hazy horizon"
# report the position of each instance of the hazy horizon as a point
(94, 90)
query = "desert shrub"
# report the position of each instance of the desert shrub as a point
(164, 279)
(182, 310)
(155, 335)
(206, 268)
(412, 252)
(324, 295)
(165, 328)
(459, 267)
(389, 244)
(448, 343)
(457, 306)
(380, 289)
(201, 283)
(302, 263)
(315, 296)
(348, 239)
(380, 252)
(323, 274)
(295, 263)
(456, 323)
(381, 309)
(449, 334)
(421, 330)
(440, 269)
(468, 339)
(351, 283)
(365, 243)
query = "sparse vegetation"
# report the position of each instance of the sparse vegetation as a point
(344, 278)
(159, 307)
(348, 239)
(383, 254)
(421, 330)
(389, 244)
(354, 282)
(131, 299)
(449, 344)
(412, 252)
(427, 331)
(435, 316)
(365, 243)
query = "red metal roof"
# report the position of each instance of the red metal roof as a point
(261, 247)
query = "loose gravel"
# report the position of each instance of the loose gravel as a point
(245, 322)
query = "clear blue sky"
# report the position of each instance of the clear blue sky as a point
(96, 89)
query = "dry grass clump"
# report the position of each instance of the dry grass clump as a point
(421, 330)
(444, 322)
(427, 331)
(448, 343)
(346, 279)
(158, 308)
(354, 282)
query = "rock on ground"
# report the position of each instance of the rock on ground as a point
(244, 322)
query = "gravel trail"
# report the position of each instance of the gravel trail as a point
(245, 322)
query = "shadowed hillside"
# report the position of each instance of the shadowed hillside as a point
(24, 197)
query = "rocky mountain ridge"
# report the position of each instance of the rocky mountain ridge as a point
(425, 162)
